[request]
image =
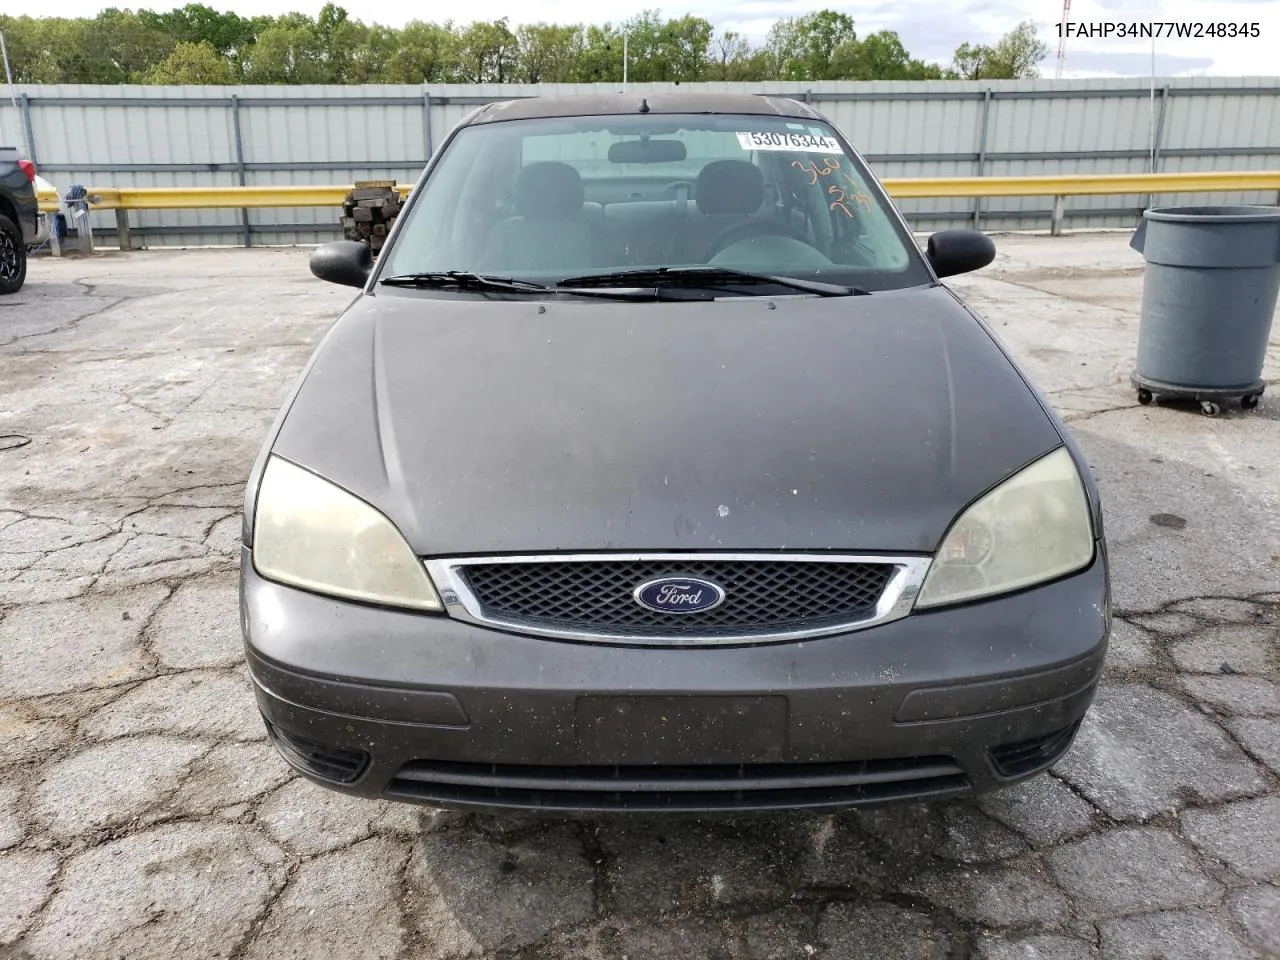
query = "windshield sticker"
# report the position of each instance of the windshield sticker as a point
(801, 142)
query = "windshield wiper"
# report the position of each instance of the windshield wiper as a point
(701, 276)
(463, 280)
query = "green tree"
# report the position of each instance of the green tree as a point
(344, 47)
(804, 48)
(192, 63)
(424, 53)
(657, 50)
(487, 53)
(730, 53)
(600, 56)
(1019, 51)
(227, 33)
(545, 53)
(120, 47)
(370, 60)
(1014, 57)
(35, 47)
(289, 52)
(880, 56)
(683, 46)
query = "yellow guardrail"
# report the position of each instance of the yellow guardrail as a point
(124, 199)
(1089, 184)
(208, 198)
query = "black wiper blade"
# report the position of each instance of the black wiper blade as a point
(462, 280)
(695, 276)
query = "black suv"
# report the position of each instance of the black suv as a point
(19, 217)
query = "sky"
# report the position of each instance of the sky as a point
(930, 29)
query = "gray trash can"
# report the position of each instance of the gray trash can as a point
(1208, 299)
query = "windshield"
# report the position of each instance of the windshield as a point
(544, 200)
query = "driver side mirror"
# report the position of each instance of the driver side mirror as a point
(347, 262)
(959, 251)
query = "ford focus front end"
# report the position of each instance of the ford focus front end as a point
(654, 470)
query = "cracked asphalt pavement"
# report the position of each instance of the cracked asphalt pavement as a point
(143, 814)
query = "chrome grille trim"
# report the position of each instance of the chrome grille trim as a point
(895, 601)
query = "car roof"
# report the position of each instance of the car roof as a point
(623, 104)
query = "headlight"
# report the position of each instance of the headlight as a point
(1033, 527)
(309, 533)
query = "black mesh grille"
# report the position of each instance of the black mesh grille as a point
(761, 596)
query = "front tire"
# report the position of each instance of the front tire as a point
(13, 257)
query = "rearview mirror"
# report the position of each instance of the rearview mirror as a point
(647, 151)
(959, 251)
(347, 262)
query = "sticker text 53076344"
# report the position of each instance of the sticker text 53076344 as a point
(805, 142)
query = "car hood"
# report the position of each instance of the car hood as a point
(489, 426)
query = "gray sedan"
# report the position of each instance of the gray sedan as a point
(653, 469)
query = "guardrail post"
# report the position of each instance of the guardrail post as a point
(123, 239)
(235, 125)
(982, 155)
(1059, 210)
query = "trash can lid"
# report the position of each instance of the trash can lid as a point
(1240, 214)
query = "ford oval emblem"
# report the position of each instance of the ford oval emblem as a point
(678, 595)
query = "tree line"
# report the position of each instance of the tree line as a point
(196, 44)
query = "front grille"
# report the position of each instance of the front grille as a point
(1028, 756)
(676, 789)
(320, 760)
(761, 596)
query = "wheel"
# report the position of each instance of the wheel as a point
(13, 257)
(1144, 396)
(1209, 408)
(1251, 401)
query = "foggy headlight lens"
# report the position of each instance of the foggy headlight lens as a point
(309, 533)
(1033, 527)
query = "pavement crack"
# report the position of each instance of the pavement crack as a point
(68, 325)
(144, 641)
(242, 947)
(1081, 417)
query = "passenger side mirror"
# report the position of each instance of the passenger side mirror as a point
(959, 251)
(347, 262)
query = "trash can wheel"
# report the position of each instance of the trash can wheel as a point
(1250, 401)
(1209, 408)
(1144, 396)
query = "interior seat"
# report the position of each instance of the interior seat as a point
(726, 193)
(553, 230)
(639, 230)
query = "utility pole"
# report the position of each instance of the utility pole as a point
(1062, 38)
(624, 63)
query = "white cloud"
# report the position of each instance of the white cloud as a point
(930, 29)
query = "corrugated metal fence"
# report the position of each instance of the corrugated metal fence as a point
(256, 135)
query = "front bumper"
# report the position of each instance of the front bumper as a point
(423, 708)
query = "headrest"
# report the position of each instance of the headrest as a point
(549, 191)
(729, 186)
